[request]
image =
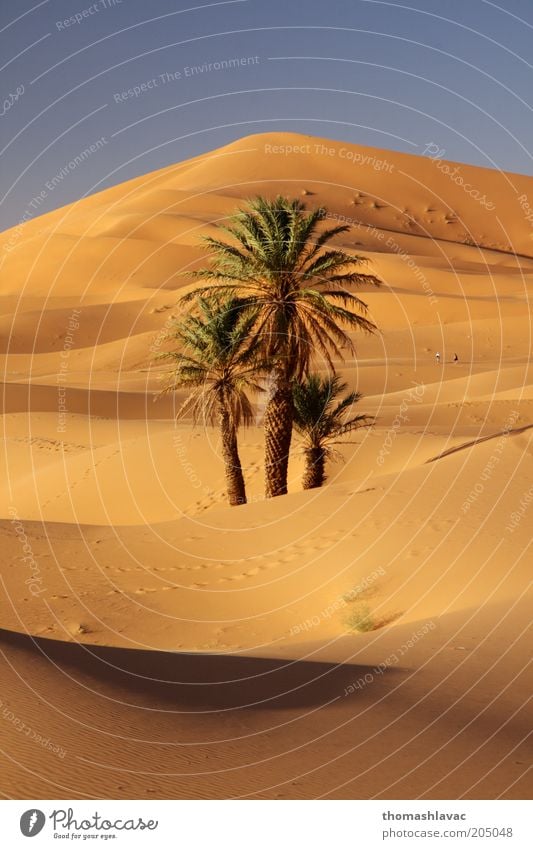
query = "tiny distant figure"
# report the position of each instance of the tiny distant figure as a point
(455, 358)
(437, 357)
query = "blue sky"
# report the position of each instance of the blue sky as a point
(392, 74)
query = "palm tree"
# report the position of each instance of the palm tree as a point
(320, 419)
(216, 363)
(297, 290)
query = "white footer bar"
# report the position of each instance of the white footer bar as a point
(267, 824)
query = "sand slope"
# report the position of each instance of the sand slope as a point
(164, 644)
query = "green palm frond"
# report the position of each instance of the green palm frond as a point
(214, 360)
(294, 287)
(321, 416)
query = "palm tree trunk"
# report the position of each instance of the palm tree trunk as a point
(235, 486)
(314, 474)
(278, 432)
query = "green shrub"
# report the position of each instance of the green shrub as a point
(361, 620)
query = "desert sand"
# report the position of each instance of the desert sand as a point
(156, 642)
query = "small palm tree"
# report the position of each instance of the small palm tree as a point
(216, 363)
(320, 419)
(297, 288)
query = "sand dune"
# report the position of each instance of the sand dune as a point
(127, 731)
(167, 645)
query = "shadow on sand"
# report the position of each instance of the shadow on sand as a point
(192, 681)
